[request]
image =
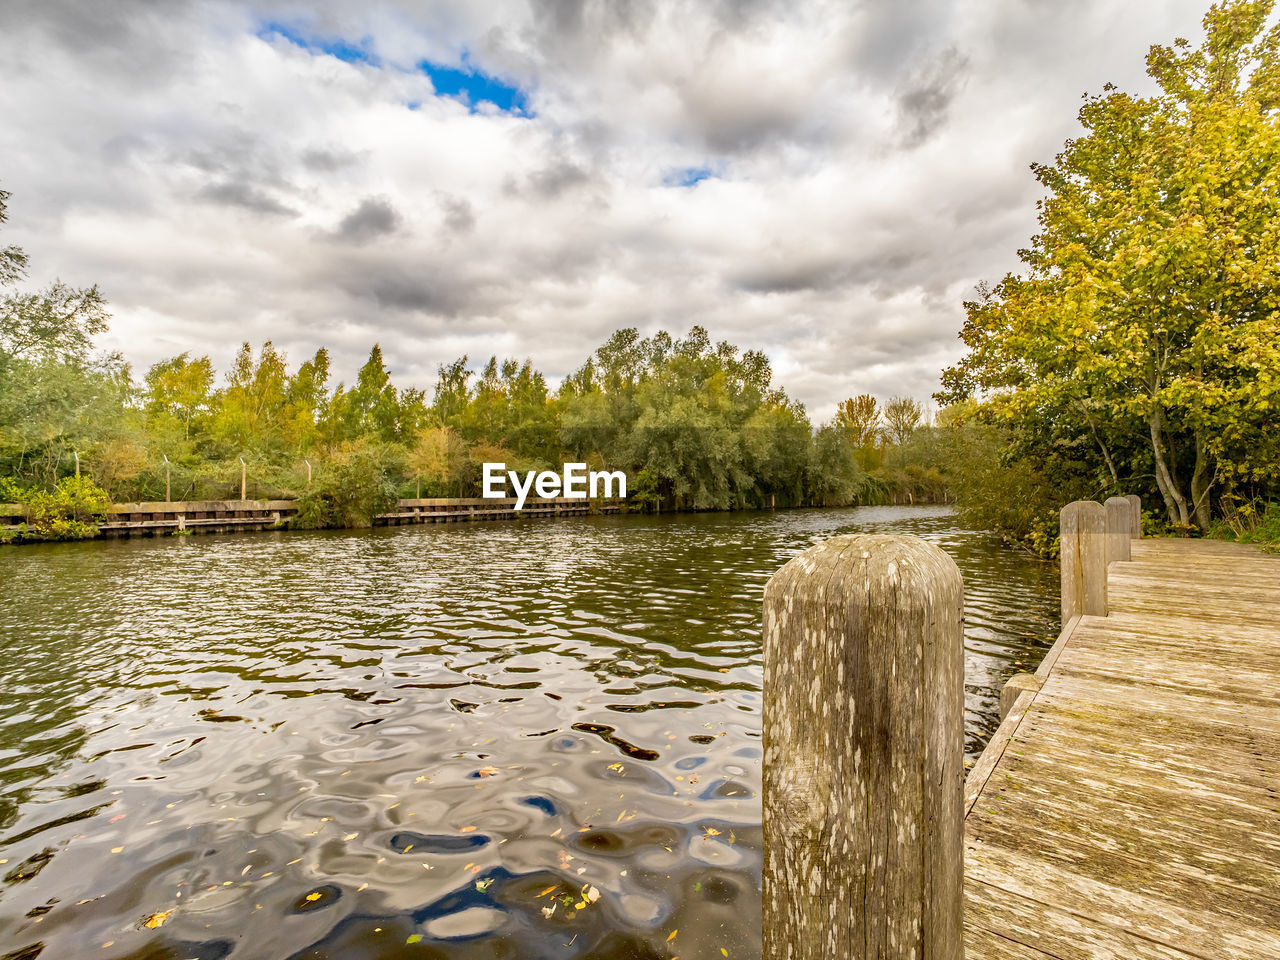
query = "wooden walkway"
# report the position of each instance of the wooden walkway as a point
(1131, 807)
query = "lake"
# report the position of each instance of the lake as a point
(528, 739)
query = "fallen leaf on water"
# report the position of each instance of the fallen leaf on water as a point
(487, 771)
(157, 919)
(117, 849)
(414, 938)
(711, 832)
(591, 894)
(313, 897)
(548, 911)
(466, 830)
(483, 885)
(673, 935)
(724, 951)
(545, 892)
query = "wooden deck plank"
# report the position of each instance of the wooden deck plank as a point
(1131, 806)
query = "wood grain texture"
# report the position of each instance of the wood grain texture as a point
(1119, 530)
(1130, 807)
(863, 771)
(1083, 526)
(1135, 516)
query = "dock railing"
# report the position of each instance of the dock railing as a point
(864, 786)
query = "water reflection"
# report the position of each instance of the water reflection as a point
(534, 739)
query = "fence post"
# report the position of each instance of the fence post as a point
(1082, 528)
(864, 753)
(1118, 529)
(1135, 516)
(243, 475)
(167, 488)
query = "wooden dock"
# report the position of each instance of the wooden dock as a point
(1130, 807)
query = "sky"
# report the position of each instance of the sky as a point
(824, 181)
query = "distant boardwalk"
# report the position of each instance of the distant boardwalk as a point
(1131, 806)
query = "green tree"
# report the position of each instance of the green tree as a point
(902, 417)
(1146, 322)
(180, 388)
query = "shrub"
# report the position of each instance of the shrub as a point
(66, 513)
(350, 489)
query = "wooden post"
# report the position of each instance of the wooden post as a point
(243, 474)
(1118, 529)
(308, 463)
(1135, 516)
(1082, 528)
(1014, 687)
(76, 454)
(864, 753)
(167, 487)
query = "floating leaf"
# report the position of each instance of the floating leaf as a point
(487, 771)
(483, 885)
(157, 919)
(545, 892)
(313, 897)
(417, 938)
(673, 935)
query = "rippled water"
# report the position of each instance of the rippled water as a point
(534, 739)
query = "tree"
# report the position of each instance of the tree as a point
(1147, 318)
(902, 416)
(58, 398)
(179, 388)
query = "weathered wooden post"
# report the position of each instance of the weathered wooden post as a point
(308, 463)
(167, 487)
(864, 753)
(1015, 687)
(1118, 529)
(1135, 516)
(243, 476)
(76, 454)
(1082, 529)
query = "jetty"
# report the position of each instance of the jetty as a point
(1128, 805)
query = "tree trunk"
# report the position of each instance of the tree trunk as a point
(1174, 502)
(1201, 481)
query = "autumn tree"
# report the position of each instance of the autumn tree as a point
(1145, 321)
(902, 417)
(859, 419)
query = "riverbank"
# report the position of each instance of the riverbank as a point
(183, 517)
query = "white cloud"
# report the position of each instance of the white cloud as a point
(870, 161)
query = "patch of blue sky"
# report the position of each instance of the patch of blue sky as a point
(687, 176)
(343, 50)
(473, 87)
(466, 84)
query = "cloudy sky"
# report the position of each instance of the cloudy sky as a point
(825, 181)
